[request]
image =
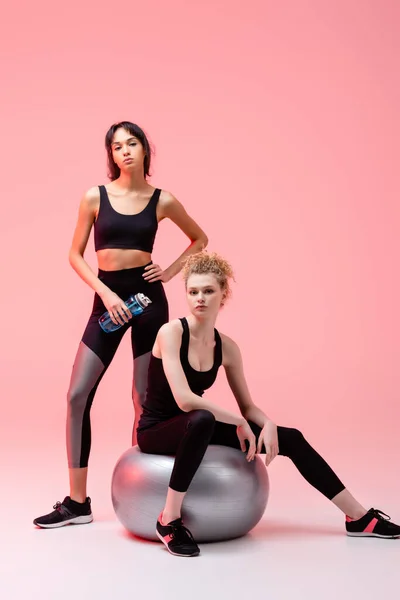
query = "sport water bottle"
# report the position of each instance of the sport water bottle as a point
(136, 304)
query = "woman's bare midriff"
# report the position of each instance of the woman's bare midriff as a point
(116, 259)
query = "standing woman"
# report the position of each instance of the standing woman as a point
(125, 215)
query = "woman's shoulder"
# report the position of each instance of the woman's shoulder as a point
(93, 193)
(167, 199)
(165, 195)
(172, 329)
(227, 341)
(169, 337)
(230, 349)
(92, 196)
(90, 202)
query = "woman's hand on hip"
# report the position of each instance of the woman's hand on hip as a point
(268, 437)
(154, 273)
(116, 307)
(244, 434)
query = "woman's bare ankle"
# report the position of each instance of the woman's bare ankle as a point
(78, 498)
(358, 514)
(167, 518)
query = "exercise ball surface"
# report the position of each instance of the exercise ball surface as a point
(226, 499)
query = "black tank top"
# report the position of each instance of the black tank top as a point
(115, 230)
(160, 404)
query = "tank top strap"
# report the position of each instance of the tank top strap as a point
(184, 351)
(185, 341)
(104, 201)
(155, 198)
(218, 350)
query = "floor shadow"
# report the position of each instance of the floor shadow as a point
(135, 538)
(265, 531)
(269, 529)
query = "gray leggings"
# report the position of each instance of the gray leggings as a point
(97, 350)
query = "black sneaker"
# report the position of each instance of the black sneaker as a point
(374, 523)
(66, 513)
(178, 540)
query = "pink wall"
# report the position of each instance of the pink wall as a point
(276, 124)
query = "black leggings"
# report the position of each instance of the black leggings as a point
(98, 348)
(187, 436)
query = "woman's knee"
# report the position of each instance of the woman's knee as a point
(289, 440)
(77, 398)
(295, 435)
(201, 419)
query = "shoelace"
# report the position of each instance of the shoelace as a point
(61, 508)
(381, 515)
(181, 534)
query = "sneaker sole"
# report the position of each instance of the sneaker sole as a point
(75, 521)
(175, 553)
(377, 535)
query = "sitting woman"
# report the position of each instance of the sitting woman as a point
(177, 420)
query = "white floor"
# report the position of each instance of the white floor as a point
(299, 550)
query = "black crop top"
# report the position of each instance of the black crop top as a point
(115, 230)
(160, 403)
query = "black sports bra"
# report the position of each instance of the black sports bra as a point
(115, 230)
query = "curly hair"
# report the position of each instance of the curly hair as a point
(204, 263)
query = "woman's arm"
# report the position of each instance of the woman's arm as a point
(172, 209)
(268, 439)
(86, 218)
(168, 343)
(233, 365)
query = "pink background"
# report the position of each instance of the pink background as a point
(277, 126)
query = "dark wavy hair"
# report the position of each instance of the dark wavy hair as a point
(113, 170)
